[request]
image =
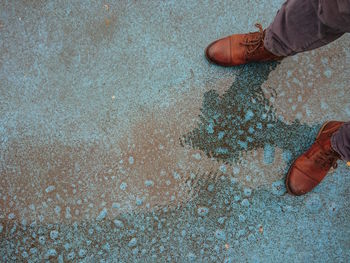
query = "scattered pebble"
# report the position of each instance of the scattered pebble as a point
(210, 128)
(116, 205)
(123, 186)
(57, 210)
(50, 189)
(106, 247)
(328, 73)
(196, 156)
(261, 229)
(82, 252)
(279, 188)
(102, 215)
(33, 250)
(25, 254)
(223, 168)
(247, 191)
(210, 187)
(149, 183)
(71, 255)
(220, 234)
(54, 234)
(68, 214)
(132, 242)
(249, 115)
(139, 201)
(221, 220)
(241, 218)
(51, 253)
(202, 211)
(42, 240)
(245, 202)
(176, 176)
(11, 216)
(191, 256)
(118, 223)
(244, 145)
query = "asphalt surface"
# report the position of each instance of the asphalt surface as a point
(121, 143)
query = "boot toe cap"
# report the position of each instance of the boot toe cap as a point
(218, 52)
(298, 183)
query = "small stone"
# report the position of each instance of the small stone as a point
(106, 247)
(132, 242)
(241, 218)
(278, 188)
(123, 186)
(220, 234)
(221, 135)
(191, 256)
(116, 205)
(50, 189)
(247, 191)
(149, 183)
(53, 234)
(42, 240)
(71, 255)
(328, 73)
(202, 211)
(249, 115)
(221, 220)
(51, 253)
(102, 215)
(118, 223)
(223, 168)
(82, 252)
(25, 254)
(11, 216)
(261, 229)
(245, 202)
(139, 201)
(196, 156)
(176, 176)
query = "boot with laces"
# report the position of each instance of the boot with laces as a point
(309, 169)
(240, 49)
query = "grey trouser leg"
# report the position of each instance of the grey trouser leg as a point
(302, 25)
(341, 141)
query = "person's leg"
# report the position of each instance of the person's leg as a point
(341, 141)
(302, 25)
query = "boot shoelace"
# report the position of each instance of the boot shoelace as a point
(255, 42)
(327, 159)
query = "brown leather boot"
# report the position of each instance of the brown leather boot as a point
(311, 167)
(240, 49)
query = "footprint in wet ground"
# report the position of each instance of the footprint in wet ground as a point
(242, 119)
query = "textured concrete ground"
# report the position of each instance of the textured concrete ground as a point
(120, 143)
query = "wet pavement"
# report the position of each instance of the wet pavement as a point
(121, 143)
